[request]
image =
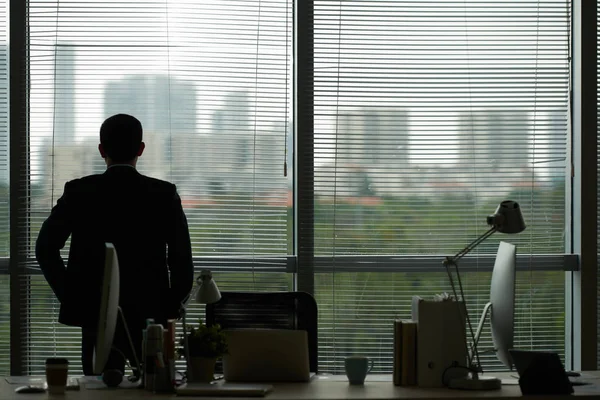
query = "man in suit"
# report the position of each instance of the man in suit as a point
(143, 218)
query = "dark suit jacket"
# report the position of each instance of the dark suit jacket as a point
(144, 219)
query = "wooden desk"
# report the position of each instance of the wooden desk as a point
(332, 388)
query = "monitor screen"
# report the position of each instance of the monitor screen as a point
(502, 297)
(109, 305)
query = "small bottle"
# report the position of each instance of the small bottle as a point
(154, 349)
(149, 321)
(162, 378)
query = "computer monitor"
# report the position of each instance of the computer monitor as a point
(502, 297)
(502, 303)
(108, 314)
(109, 306)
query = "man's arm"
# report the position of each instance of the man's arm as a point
(180, 261)
(52, 237)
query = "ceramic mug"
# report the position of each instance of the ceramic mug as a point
(57, 370)
(357, 368)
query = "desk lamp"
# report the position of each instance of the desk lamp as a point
(206, 292)
(506, 219)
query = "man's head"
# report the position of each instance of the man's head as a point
(121, 139)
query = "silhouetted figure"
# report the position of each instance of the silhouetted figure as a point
(143, 218)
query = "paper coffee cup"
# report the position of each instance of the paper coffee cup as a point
(57, 370)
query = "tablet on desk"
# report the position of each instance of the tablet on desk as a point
(541, 373)
(223, 389)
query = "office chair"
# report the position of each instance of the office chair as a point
(271, 310)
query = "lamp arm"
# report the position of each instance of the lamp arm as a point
(471, 246)
(484, 315)
(473, 348)
(472, 352)
(190, 296)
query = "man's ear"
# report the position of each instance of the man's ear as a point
(101, 150)
(141, 150)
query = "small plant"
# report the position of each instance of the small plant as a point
(205, 341)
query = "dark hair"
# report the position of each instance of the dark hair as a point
(121, 137)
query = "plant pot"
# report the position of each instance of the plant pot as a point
(201, 369)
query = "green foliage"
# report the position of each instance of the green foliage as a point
(205, 341)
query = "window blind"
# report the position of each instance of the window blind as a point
(427, 115)
(598, 176)
(210, 82)
(408, 97)
(5, 324)
(4, 196)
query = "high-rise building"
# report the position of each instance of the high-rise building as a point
(244, 155)
(230, 141)
(373, 137)
(551, 146)
(163, 103)
(64, 95)
(232, 121)
(494, 146)
(494, 141)
(374, 143)
(167, 109)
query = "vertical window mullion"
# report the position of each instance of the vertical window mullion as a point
(305, 147)
(19, 181)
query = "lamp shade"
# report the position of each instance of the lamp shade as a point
(208, 292)
(507, 218)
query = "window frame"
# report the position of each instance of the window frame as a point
(580, 291)
(19, 173)
(579, 265)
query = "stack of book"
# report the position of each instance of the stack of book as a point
(405, 352)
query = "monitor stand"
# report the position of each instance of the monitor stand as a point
(137, 371)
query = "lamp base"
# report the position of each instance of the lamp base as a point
(478, 383)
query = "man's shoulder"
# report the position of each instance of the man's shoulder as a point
(158, 184)
(93, 184)
(85, 181)
(96, 178)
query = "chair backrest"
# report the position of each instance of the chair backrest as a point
(274, 310)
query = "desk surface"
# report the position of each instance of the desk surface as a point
(332, 388)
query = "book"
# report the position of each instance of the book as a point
(409, 353)
(405, 352)
(440, 338)
(397, 365)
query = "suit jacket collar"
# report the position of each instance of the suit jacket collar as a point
(121, 169)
